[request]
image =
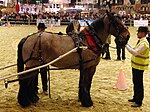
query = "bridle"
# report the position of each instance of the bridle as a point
(119, 28)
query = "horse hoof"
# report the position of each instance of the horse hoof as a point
(25, 105)
(35, 99)
(90, 104)
(91, 107)
(79, 100)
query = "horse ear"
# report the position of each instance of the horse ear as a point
(108, 13)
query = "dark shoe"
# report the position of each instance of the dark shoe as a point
(131, 100)
(123, 58)
(136, 105)
(45, 92)
(118, 58)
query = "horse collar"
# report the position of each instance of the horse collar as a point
(90, 40)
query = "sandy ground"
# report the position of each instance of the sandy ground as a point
(64, 83)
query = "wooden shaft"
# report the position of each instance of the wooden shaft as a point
(45, 65)
(1, 68)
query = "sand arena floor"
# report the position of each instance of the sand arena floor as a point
(64, 83)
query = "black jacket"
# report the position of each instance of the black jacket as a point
(148, 39)
(70, 28)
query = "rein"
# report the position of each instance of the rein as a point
(113, 21)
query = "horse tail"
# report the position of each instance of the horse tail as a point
(20, 63)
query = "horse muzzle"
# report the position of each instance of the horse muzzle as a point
(127, 39)
(124, 39)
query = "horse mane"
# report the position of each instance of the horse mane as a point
(59, 33)
(98, 24)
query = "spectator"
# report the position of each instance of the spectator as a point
(120, 48)
(43, 71)
(106, 48)
(74, 26)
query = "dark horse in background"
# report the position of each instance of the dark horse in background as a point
(41, 48)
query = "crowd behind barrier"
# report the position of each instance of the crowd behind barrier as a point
(62, 18)
(49, 22)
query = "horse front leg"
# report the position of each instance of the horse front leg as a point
(86, 77)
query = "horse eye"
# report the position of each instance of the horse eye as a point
(123, 28)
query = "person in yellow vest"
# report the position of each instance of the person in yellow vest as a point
(139, 63)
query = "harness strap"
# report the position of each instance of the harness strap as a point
(79, 51)
(40, 51)
(34, 46)
(33, 49)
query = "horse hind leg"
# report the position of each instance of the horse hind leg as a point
(27, 94)
(23, 99)
(85, 86)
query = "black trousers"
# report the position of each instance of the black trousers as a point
(43, 72)
(106, 50)
(27, 93)
(138, 85)
(120, 48)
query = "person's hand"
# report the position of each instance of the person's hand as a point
(126, 44)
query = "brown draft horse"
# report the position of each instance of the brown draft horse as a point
(41, 48)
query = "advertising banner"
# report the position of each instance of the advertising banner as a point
(83, 23)
(138, 23)
(49, 22)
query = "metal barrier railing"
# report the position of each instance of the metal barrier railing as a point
(33, 22)
(26, 22)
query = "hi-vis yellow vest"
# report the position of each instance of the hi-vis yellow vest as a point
(141, 61)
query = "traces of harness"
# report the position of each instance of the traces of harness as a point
(39, 57)
(76, 38)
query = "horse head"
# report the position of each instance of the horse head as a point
(117, 28)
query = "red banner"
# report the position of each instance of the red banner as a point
(17, 8)
(137, 5)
